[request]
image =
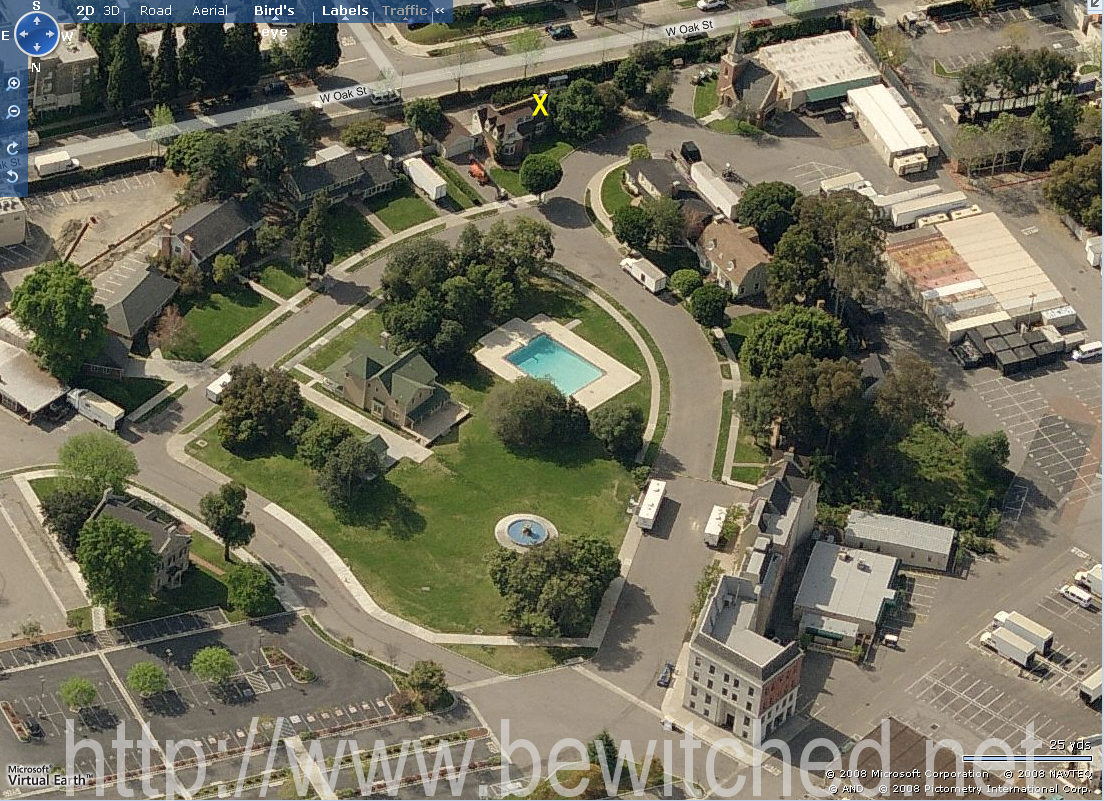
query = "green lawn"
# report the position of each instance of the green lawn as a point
(746, 449)
(370, 326)
(728, 125)
(705, 98)
(130, 393)
(738, 328)
(438, 32)
(745, 474)
(349, 231)
(279, 277)
(516, 660)
(210, 551)
(401, 208)
(510, 179)
(419, 537)
(614, 196)
(722, 435)
(218, 317)
(460, 191)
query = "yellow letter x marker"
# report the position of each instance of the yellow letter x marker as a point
(540, 105)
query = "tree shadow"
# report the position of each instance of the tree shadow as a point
(167, 704)
(385, 506)
(634, 610)
(565, 213)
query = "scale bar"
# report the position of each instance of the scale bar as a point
(1025, 758)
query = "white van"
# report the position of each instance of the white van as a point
(1090, 350)
(1071, 592)
(215, 388)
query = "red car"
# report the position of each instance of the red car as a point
(759, 23)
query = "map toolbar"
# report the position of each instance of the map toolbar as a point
(213, 11)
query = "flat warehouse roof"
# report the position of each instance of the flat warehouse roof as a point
(849, 584)
(817, 61)
(892, 124)
(877, 528)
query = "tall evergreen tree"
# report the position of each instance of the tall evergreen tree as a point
(316, 46)
(312, 248)
(102, 35)
(243, 51)
(126, 78)
(203, 64)
(165, 80)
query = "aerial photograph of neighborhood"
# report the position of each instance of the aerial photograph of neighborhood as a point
(541, 399)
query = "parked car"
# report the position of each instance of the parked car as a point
(385, 97)
(711, 5)
(666, 676)
(559, 31)
(134, 120)
(690, 152)
(1071, 592)
(760, 23)
(273, 88)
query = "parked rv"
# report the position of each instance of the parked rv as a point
(648, 510)
(215, 388)
(426, 179)
(647, 274)
(53, 163)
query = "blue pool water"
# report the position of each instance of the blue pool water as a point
(527, 532)
(544, 357)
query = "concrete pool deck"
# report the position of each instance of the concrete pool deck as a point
(517, 333)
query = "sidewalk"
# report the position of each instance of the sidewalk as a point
(398, 446)
(594, 188)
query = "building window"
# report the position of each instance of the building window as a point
(696, 674)
(693, 691)
(724, 692)
(697, 661)
(747, 720)
(745, 734)
(726, 677)
(751, 691)
(692, 705)
(708, 698)
(749, 706)
(709, 684)
(712, 669)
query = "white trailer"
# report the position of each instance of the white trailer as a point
(1090, 580)
(1011, 646)
(53, 163)
(1090, 688)
(426, 179)
(715, 525)
(905, 215)
(647, 274)
(215, 388)
(99, 410)
(849, 180)
(720, 193)
(648, 510)
(883, 204)
(1093, 247)
(1039, 636)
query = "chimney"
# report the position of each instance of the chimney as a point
(188, 241)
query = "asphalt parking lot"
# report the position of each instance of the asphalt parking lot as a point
(1040, 28)
(919, 591)
(46, 202)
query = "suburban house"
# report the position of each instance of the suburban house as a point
(334, 173)
(509, 130)
(399, 388)
(211, 228)
(460, 139)
(733, 255)
(133, 293)
(402, 143)
(655, 178)
(166, 538)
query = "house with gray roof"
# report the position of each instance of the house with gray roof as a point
(656, 178)
(336, 173)
(208, 229)
(915, 543)
(133, 294)
(402, 143)
(737, 678)
(844, 594)
(399, 388)
(168, 540)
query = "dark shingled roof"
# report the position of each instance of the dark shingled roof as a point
(214, 225)
(402, 142)
(138, 299)
(376, 172)
(661, 174)
(124, 509)
(309, 179)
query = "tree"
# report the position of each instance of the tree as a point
(986, 454)
(223, 511)
(667, 220)
(146, 679)
(981, 7)
(126, 79)
(427, 681)
(249, 590)
(67, 509)
(685, 282)
(620, 428)
(258, 406)
(210, 159)
(413, 265)
(269, 147)
(269, 238)
(162, 125)
(424, 115)
(602, 750)
(31, 631)
(365, 135)
(1073, 187)
(77, 693)
(316, 45)
(660, 89)
(57, 304)
(460, 55)
(173, 332)
(579, 113)
(1016, 34)
(224, 268)
(528, 44)
(320, 440)
(974, 80)
(767, 207)
(532, 413)
(98, 459)
(165, 78)
(639, 152)
(892, 46)
(243, 51)
(203, 59)
(707, 305)
(312, 247)
(351, 464)
(117, 562)
(633, 226)
(214, 664)
(910, 394)
(794, 330)
(632, 77)
(540, 173)
(836, 399)
(1059, 118)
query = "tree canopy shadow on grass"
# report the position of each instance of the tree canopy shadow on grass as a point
(382, 505)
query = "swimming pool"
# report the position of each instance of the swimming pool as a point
(544, 357)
